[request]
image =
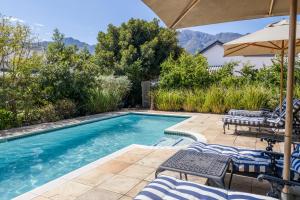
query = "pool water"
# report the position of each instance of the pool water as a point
(29, 162)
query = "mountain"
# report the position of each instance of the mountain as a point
(71, 41)
(194, 41)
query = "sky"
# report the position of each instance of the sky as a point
(83, 19)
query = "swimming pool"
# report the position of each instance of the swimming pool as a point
(29, 162)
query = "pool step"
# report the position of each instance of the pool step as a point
(167, 141)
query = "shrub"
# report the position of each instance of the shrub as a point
(188, 71)
(65, 108)
(233, 98)
(108, 93)
(43, 114)
(214, 100)
(169, 100)
(255, 97)
(194, 100)
(102, 100)
(6, 119)
(48, 113)
(119, 84)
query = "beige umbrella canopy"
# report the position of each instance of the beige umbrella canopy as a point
(269, 40)
(187, 13)
(273, 39)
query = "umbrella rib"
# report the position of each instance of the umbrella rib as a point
(297, 44)
(247, 45)
(271, 7)
(264, 46)
(275, 45)
(184, 13)
(230, 48)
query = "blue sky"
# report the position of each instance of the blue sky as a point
(84, 19)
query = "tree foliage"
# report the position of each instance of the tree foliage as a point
(68, 72)
(188, 71)
(18, 65)
(136, 49)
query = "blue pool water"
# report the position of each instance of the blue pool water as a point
(29, 162)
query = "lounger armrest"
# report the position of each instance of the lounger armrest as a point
(276, 184)
(280, 181)
(271, 140)
(265, 109)
(273, 154)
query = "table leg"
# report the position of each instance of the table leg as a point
(185, 176)
(180, 175)
(159, 170)
(231, 174)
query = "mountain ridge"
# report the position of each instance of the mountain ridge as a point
(191, 41)
(195, 41)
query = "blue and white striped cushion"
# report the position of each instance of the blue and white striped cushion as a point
(295, 165)
(168, 188)
(247, 113)
(244, 160)
(255, 121)
(241, 120)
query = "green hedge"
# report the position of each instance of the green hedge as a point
(214, 99)
(6, 119)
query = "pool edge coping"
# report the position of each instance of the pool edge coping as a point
(40, 190)
(77, 122)
(77, 172)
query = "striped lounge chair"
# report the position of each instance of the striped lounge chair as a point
(258, 113)
(165, 187)
(274, 123)
(252, 161)
(256, 162)
(244, 160)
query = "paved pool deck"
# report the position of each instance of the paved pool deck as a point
(124, 173)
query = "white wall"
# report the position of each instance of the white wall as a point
(215, 57)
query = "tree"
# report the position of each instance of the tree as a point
(18, 62)
(135, 49)
(188, 71)
(68, 72)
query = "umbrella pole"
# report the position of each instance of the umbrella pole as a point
(289, 95)
(281, 75)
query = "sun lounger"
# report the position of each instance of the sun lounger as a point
(259, 113)
(274, 124)
(165, 187)
(253, 163)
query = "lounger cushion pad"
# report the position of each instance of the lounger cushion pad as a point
(247, 113)
(244, 160)
(165, 187)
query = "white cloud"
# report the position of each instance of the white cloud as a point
(15, 20)
(39, 25)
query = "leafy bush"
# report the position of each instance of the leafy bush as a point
(255, 97)
(214, 100)
(108, 93)
(42, 114)
(48, 113)
(65, 108)
(6, 119)
(169, 100)
(188, 71)
(194, 101)
(233, 98)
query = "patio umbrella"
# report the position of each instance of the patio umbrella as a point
(187, 13)
(273, 39)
